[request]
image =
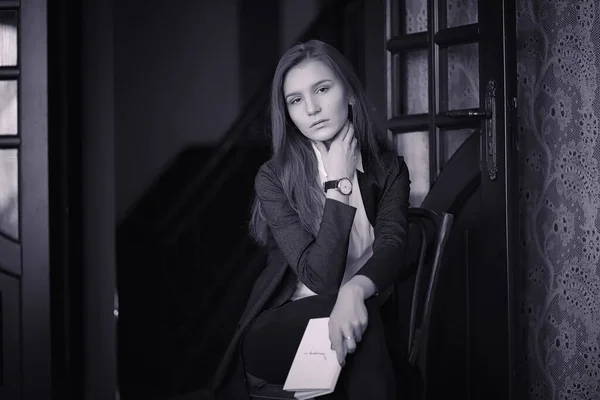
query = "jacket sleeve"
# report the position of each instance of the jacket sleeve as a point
(390, 230)
(319, 262)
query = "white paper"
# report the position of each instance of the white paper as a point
(315, 369)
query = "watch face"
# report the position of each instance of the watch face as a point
(345, 186)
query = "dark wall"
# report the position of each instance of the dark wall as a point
(98, 190)
(176, 82)
(183, 74)
(259, 37)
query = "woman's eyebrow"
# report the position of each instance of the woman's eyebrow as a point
(322, 81)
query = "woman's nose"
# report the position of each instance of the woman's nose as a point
(312, 107)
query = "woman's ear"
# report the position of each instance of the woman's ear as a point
(352, 102)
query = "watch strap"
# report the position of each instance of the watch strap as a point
(330, 185)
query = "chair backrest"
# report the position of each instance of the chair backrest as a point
(429, 232)
(426, 281)
(408, 309)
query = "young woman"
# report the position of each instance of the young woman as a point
(331, 206)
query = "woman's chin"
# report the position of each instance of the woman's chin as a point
(325, 134)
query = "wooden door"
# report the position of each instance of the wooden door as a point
(24, 212)
(449, 98)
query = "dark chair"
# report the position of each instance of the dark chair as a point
(428, 235)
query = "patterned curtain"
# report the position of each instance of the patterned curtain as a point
(558, 44)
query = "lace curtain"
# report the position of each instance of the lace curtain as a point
(558, 44)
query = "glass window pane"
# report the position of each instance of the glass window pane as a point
(461, 12)
(9, 194)
(450, 141)
(415, 16)
(8, 38)
(416, 83)
(463, 76)
(414, 146)
(8, 108)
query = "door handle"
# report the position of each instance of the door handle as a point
(491, 146)
(488, 114)
(472, 112)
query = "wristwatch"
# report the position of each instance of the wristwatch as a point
(344, 186)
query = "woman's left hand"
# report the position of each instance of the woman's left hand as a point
(348, 321)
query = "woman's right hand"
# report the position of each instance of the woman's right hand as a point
(340, 159)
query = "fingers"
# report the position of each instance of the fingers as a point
(341, 135)
(347, 324)
(349, 133)
(336, 338)
(350, 343)
(357, 332)
(320, 146)
(358, 327)
(340, 351)
(345, 342)
(353, 334)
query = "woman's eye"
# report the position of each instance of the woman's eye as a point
(323, 90)
(294, 101)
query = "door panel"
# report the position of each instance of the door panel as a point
(10, 259)
(9, 191)
(24, 212)
(450, 140)
(414, 16)
(10, 224)
(462, 77)
(450, 69)
(416, 83)
(461, 12)
(9, 103)
(10, 360)
(414, 146)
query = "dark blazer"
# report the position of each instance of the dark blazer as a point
(294, 253)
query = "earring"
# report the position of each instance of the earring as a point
(352, 101)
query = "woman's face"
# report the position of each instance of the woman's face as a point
(316, 100)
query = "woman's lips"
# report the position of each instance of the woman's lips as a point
(319, 123)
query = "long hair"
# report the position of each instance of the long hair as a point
(293, 158)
